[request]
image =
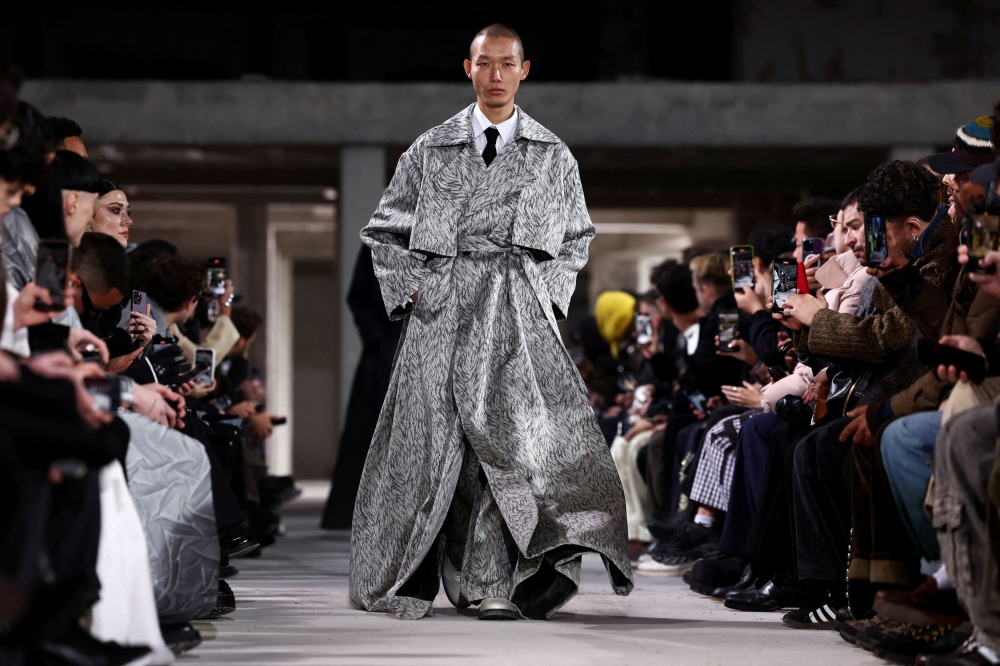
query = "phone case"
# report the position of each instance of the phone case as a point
(801, 282)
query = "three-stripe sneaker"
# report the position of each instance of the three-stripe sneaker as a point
(820, 617)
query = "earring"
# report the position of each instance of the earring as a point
(915, 239)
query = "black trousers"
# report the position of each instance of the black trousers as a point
(769, 545)
(819, 471)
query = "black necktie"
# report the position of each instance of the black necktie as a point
(491, 144)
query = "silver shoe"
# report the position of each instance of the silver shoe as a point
(452, 579)
(498, 609)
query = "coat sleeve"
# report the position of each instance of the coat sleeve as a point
(400, 272)
(560, 272)
(873, 339)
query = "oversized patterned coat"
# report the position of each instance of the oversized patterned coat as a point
(486, 451)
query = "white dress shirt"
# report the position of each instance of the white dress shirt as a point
(479, 124)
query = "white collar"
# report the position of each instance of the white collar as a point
(480, 122)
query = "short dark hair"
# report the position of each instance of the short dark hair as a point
(499, 30)
(815, 213)
(245, 320)
(168, 279)
(850, 199)
(69, 171)
(676, 286)
(101, 264)
(900, 189)
(771, 241)
(57, 130)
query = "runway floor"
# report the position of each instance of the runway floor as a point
(292, 609)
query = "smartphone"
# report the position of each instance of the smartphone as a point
(217, 274)
(205, 359)
(643, 329)
(728, 322)
(981, 232)
(784, 282)
(933, 354)
(814, 247)
(279, 420)
(105, 391)
(698, 401)
(51, 271)
(876, 241)
(137, 304)
(160, 345)
(741, 262)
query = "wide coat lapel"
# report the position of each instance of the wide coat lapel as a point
(450, 174)
(456, 183)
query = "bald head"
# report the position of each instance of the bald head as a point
(497, 30)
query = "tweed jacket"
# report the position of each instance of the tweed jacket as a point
(887, 335)
(486, 439)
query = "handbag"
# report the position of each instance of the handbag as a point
(847, 389)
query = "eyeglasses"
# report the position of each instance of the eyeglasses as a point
(833, 221)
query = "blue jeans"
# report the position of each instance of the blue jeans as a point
(908, 456)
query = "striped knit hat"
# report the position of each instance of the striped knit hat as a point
(973, 147)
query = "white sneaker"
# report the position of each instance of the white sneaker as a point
(665, 565)
(452, 579)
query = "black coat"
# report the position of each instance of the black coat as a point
(380, 336)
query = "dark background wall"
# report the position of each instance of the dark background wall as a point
(723, 40)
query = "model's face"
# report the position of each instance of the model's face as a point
(78, 209)
(496, 69)
(111, 216)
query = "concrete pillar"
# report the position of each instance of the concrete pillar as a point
(362, 181)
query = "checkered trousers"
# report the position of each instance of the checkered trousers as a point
(714, 475)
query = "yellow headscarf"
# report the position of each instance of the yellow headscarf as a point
(614, 312)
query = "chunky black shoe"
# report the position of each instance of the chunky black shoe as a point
(748, 581)
(714, 571)
(226, 601)
(227, 571)
(775, 595)
(240, 546)
(821, 617)
(180, 637)
(77, 646)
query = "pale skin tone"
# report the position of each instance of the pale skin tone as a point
(496, 67)
(112, 216)
(78, 209)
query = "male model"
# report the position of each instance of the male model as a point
(487, 467)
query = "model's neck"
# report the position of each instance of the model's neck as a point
(172, 318)
(497, 114)
(685, 321)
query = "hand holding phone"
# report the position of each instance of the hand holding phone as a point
(728, 324)
(784, 282)
(876, 240)
(935, 355)
(51, 273)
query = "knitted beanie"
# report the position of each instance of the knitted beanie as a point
(973, 147)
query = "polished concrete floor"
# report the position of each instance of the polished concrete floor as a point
(292, 609)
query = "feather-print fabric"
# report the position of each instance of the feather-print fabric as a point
(486, 422)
